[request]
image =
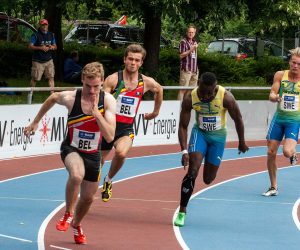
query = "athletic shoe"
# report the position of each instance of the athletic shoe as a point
(179, 221)
(293, 159)
(106, 191)
(64, 222)
(271, 192)
(79, 236)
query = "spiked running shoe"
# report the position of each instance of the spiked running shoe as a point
(271, 192)
(293, 159)
(64, 222)
(79, 236)
(106, 191)
(179, 221)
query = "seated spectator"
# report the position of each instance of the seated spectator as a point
(72, 70)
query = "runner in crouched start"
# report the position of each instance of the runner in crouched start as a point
(208, 137)
(128, 87)
(91, 116)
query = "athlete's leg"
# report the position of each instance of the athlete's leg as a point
(289, 147)
(122, 147)
(87, 193)
(75, 166)
(213, 158)
(291, 133)
(188, 182)
(271, 161)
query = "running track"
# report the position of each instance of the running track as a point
(230, 214)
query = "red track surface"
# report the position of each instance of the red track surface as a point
(140, 214)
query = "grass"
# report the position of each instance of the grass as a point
(21, 97)
(40, 97)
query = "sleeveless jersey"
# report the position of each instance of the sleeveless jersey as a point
(83, 130)
(288, 110)
(128, 101)
(210, 116)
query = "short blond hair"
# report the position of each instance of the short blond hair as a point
(295, 52)
(93, 70)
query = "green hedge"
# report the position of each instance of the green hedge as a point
(15, 61)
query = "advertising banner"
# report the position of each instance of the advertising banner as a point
(52, 128)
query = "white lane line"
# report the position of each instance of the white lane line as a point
(24, 176)
(245, 201)
(57, 247)
(295, 213)
(28, 199)
(41, 233)
(178, 234)
(176, 229)
(15, 238)
(144, 200)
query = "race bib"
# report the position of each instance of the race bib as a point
(210, 123)
(193, 54)
(127, 105)
(85, 141)
(289, 102)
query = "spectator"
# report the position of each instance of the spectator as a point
(188, 60)
(42, 43)
(72, 70)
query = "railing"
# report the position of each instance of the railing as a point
(41, 89)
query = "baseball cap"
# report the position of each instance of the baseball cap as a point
(43, 22)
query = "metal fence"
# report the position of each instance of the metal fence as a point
(43, 89)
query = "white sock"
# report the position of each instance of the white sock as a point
(107, 179)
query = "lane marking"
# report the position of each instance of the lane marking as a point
(177, 230)
(15, 238)
(295, 213)
(57, 247)
(144, 200)
(245, 201)
(28, 199)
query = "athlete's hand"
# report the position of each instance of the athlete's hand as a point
(150, 116)
(242, 147)
(185, 160)
(30, 130)
(94, 106)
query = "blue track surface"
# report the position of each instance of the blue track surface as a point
(25, 203)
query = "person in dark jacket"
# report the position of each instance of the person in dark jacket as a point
(72, 70)
(42, 44)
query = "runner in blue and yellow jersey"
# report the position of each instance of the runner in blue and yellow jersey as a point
(208, 137)
(128, 87)
(285, 124)
(91, 117)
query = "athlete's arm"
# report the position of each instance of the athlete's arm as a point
(274, 93)
(65, 98)
(185, 116)
(157, 90)
(106, 123)
(231, 105)
(110, 83)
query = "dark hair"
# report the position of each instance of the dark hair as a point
(135, 48)
(74, 54)
(207, 78)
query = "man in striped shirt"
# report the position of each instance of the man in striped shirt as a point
(188, 60)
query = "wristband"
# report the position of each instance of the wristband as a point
(184, 151)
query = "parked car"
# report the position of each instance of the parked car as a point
(241, 48)
(15, 29)
(113, 35)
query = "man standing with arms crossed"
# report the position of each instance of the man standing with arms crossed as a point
(91, 116)
(285, 92)
(128, 87)
(188, 60)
